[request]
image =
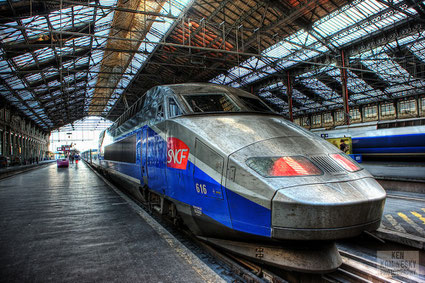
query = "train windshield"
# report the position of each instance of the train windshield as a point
(220, 102)
(254, 104)
(212, 102)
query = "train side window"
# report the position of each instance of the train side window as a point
(208, 156)
(173, 109)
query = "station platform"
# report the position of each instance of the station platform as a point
(404, 212)
(12, 170)
(67, 225)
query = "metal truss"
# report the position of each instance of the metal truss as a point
(289, 53)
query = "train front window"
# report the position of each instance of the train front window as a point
(214, 102)
(254, 104)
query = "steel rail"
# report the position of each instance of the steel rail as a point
(365, 267)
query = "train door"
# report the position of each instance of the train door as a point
(208, 171)
(156, 152)
(208, 179)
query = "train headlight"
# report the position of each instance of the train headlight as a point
(345, 162)
(284, 166)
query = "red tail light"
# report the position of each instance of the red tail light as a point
(293, 166)
(346, 163)
(283, 166)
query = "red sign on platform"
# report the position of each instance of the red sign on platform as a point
(177, 154)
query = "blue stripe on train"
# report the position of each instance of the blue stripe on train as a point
(231, 210)
(130, 169)
(247, 216)
(182, 187)
(218, 203)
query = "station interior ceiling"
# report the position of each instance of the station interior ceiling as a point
(63, 60)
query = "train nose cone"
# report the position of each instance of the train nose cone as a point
(327, 211)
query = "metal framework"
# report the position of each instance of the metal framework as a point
(62, 60)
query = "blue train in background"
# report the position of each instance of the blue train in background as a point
(371, 140)
(240, 176)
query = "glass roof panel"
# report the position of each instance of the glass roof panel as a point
(360, 10)
(24, 60)
(155, 34)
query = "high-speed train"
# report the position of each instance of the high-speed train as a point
(241, 176)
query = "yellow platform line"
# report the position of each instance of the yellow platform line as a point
(413, 224)
(418, 215)
(395, 224)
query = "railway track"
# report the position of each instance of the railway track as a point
(362, 267)
(355, 268)
(247, 270)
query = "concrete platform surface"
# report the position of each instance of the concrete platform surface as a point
(67, 225)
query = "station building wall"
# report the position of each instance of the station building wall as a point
(406, 108)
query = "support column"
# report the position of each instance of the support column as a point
(344, 88)
(29, 148)
(17, 152)
(289, 93)
(18, 145)
(24, 149)
(12, 144)
(32, 149)
(9, 143)
(3, 141)
(15, 144)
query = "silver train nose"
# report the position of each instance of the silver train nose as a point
(327, 211)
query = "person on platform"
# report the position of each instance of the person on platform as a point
(71, 158)
(343, 146)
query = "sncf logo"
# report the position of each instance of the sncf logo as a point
(177, 153)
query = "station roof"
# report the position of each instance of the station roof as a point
(62, 60)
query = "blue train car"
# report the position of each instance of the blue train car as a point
(90, 156)
(370, 140)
